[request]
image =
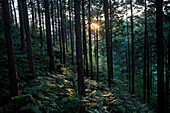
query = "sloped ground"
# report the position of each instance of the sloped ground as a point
(57, 93)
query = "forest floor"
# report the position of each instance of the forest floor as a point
(58, 93)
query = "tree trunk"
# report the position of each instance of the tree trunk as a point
(90, 48)
(52, 18)
(71, 35)
(81, 85)
(111, 40)
(28, 38)
(133, 61)
(108, 44)
(160, 57)
(14, 86)
(12, 17)
(15, 13)
(129, 69)
(62, 31)
(33, 21)
(144, 65)
(97, 49)
(49, 38)
(59, 30)
(22, 33)
(39, 16)
(84, 39)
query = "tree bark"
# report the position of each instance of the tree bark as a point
(15, 15)
(145, 52)
(22, 33)
(84, 39)
(28, 38)
(40, 27)
(59, 30)
(52, 18)
(108, 44)
(62, 31)
(81, 86)
(14, 86)
(49, 38)
(33, 20)
(160, 57)
(90, 44)
(133, 61)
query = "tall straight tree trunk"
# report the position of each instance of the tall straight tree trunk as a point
(84, 39)
(59, 30)
(55, 19)
(133, 60)
(52, 18)
(71, 35)
(108, 44)
(129, 69)
(49, 38)
(97, 40)
(22, 33)
(33, 20)
(81, 85)
(62, 31)
(147, 47)
(28, 38)
(160, 57)
(11, 14)
(111, 40)
(144, 65)
(90, 44)
(40, 27)
(14, 86)
(168, 72)
(15, 13)
(65, 26)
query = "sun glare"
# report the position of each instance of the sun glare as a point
(95, 25)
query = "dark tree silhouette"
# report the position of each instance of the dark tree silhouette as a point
(22, 33)
(48, 35)
(160, 57)
(40, 26)
(108, 44)
(59, 30)
(90, 48)
(14, 86)
(62, 31)
(81, 86)
(133, 60)
(28, 38)
(84, 40)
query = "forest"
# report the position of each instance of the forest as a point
(84, 56)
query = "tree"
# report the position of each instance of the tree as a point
(28, 38)
(62, 31)
(52, 18)
(33, 20)
(15, 13)
(71, 35)
(59, 30)
(108, 44)
(145, 52)
(81, 86)
(39, 16)
(49, 38)
(14, 86)
(90, 48)
(133, 61)
(84, 39)
(160, 57)
(22, 33)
